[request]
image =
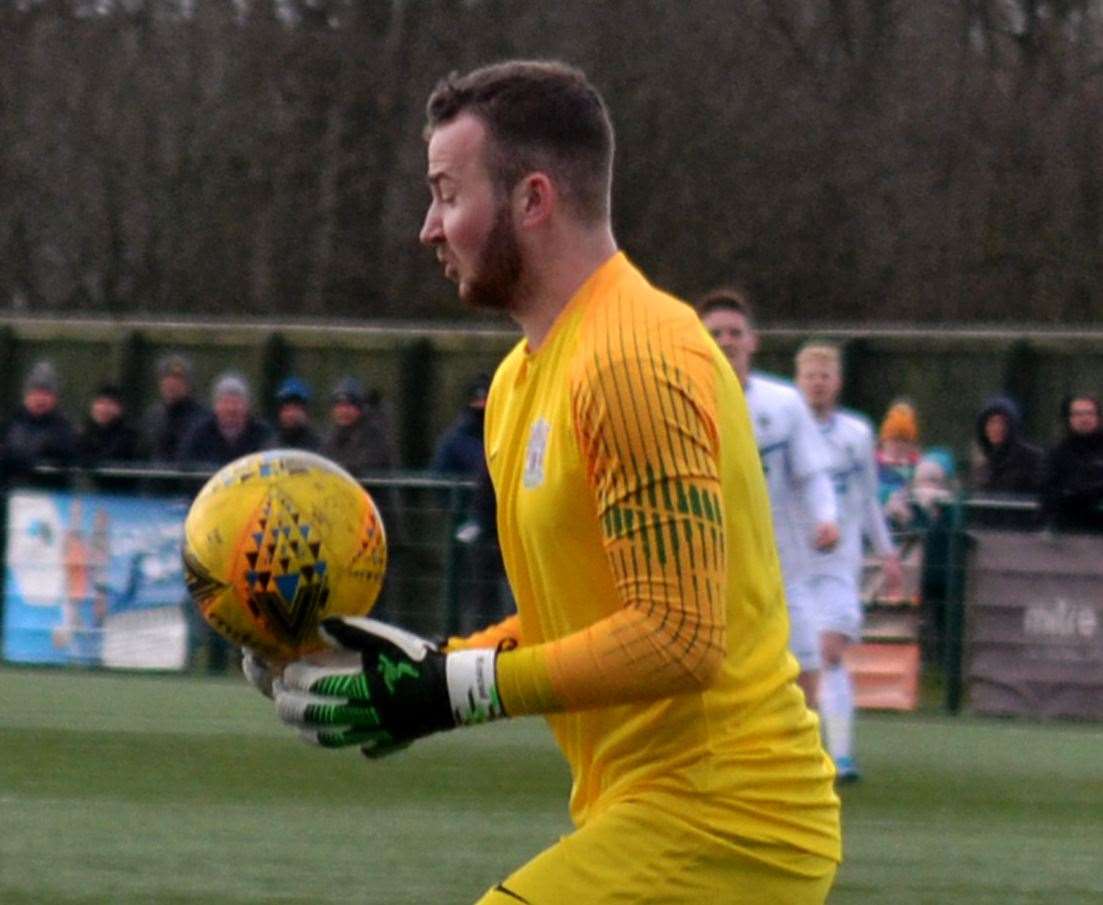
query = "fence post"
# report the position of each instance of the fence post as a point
(276, 363)
(417, 389)
(9, 369)
(131, 371)
(453, 559)
(953, 642)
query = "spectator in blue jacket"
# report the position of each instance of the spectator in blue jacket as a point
(459, 450)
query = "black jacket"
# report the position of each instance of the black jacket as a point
(206, 444)
(109, 444)
(106, 444)
(1013, 467)
(1073, 490)
(166, 426)
(43, 440)
(304, 437)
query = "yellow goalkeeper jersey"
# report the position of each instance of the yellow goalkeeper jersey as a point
(635, 529)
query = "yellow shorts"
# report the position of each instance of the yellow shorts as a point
(633, 853)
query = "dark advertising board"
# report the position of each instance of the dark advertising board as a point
(1034, 625)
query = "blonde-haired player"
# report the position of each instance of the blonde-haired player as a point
(634, 525)
(796, 464)
(836, 574)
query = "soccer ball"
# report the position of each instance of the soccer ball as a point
(277, 541)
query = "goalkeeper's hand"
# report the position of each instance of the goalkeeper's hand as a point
(257, 671)
(384, 687)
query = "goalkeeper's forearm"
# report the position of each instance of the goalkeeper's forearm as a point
(387, 687)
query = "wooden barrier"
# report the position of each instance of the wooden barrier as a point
(886, 676)
(885, 665)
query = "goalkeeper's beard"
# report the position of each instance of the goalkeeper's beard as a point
(498, 279)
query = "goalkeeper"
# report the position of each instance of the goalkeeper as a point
(651, 624)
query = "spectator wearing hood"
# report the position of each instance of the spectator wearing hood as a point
(293, 427)
(230, 431)
(485, 594)
(1072, 492)
(459, 450)
(39, 433)
(1002, 461)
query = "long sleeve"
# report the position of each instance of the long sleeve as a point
(647, 433)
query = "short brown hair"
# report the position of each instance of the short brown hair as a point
(727, 298)
(541, 115)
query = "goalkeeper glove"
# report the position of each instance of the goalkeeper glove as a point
(257, 671)
(384, 687)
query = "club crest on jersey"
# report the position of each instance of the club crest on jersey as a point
(537, 448)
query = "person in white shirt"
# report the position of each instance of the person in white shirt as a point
(795, 460)
(836, 574)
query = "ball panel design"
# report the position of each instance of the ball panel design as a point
(277, 541)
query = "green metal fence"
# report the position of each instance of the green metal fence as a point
(445, 575)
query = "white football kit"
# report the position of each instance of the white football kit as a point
(796, 463)
(836, 573)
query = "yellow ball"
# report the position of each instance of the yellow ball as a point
(277, 541)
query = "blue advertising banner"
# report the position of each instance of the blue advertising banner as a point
(95, 580)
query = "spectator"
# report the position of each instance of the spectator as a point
(460, 448)
(943, 547)
(492, 599)
(1073, 486)
(230, 432)
(226, 434)
(933, 486)
(1002, 461)
(293, 427)
(175, 414)
(460, 452)
(360, 438)
(106, 438)
(360, 441)
(897, 457)
(39, 433)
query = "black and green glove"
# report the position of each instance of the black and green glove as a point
(384, 687)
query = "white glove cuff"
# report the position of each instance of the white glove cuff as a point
(473, 686)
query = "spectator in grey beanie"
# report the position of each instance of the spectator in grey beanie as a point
(175, 413)
(39, 433)
(230, 431)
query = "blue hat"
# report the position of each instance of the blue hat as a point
(942, 457)
(293, 390)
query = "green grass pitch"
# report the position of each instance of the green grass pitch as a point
(157, 789)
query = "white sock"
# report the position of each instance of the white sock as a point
(837, 711)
